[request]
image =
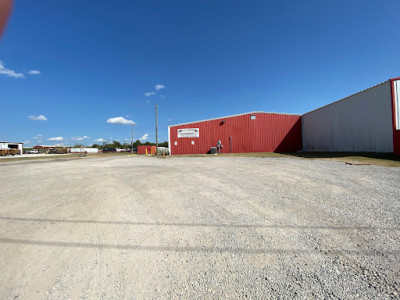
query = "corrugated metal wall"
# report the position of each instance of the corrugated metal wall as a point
(358, 123)
(268, 132)
(142, 149)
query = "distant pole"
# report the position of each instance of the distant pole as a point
(132, 140)
(156, 131)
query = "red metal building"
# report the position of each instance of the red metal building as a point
(249, 132)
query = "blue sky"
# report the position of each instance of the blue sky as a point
(99, 59)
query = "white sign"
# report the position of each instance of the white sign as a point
(188, 132)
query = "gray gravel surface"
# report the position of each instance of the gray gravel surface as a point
(198, 228)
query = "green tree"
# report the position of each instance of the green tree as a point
(137, 143)
(117, 144)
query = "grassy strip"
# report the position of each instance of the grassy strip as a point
(62, 156)
(379, 159)
(33, 157)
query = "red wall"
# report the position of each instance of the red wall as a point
(142, 149)
(396, 133)
(267, 133)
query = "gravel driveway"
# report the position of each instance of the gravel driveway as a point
(198, 228)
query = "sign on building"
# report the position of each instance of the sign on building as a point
(188, 133)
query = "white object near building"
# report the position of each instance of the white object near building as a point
(84, 150)
(188, 132)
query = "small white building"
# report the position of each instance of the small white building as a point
(10, 145)
(84, 150)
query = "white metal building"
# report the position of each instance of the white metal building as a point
(84, 150)
(368, 121)
(10, 145)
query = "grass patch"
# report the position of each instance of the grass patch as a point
(379, 159)
(61, 156)
(33, 157)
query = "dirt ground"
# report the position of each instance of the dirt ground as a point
(198, 227)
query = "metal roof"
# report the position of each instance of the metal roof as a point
(11, 143)
(243, 114)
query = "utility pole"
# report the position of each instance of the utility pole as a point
(132, 140)
(156, 131)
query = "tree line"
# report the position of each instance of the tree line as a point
(116, 144)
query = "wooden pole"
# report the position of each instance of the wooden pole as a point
(156, 131)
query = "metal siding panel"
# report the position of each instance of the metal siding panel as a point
(359, 123)
(267, 133)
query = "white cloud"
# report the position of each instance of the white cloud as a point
(169, 120)
(128, 116)
(79, 138)
(147, 101)
(162, 96)
(38, 118)
(148, 94)
(120, 120)
(33, 72)
(27, 142)
(9, 72)
(159, 87)
(58, 138)
(100, 140)
(38, 138)
(144, 137)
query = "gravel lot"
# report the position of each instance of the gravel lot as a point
(198, 228)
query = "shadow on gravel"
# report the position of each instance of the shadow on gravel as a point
(199, 224)
(204, 249)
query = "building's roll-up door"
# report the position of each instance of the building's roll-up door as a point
(397, 103)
